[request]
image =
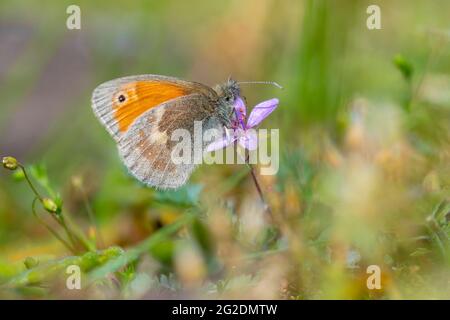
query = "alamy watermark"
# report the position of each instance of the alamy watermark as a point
(73, 21)
(73, 281)
(373, 22)
(189, 150)
(374, 280)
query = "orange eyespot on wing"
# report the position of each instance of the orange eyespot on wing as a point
(133, 99)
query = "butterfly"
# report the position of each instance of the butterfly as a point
(141, 113)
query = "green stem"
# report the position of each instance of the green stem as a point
(76, 238)
(81, 238)
(92, 218)
(49, 228)
(432, 54)
(62, 223)
(58, 218)
(30, 183)
(47, 271)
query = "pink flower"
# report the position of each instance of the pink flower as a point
(241, 131)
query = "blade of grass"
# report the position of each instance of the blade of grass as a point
(49, 269)
(132, 254)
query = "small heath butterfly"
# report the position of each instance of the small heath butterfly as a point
(141, 112)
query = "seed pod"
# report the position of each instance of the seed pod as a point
(10, 163)
(49, 205)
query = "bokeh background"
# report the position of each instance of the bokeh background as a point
(364, 175)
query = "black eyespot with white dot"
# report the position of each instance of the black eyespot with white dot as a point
(121, 98)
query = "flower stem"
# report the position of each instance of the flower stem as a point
(69, 233)
(59, 218)
(50, 229)
(258, 187)
(25, 174)
(92, 217)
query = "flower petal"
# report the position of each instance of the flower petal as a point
(240, 111)
(248, 139)
(221, 143)
(261, 111)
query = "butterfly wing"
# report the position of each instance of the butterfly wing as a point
(148, 145)
(143, 120)
(119, 102)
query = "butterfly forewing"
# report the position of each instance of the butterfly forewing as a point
(142, 112)
(118, 103)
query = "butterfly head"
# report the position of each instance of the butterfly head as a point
(228, 92)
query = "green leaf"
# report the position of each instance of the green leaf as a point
(201, 234)
(420, 252)
(18, 175)
(404, 66)
(39, 173)
(163, 251)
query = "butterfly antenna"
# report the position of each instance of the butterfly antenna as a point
(262, 82)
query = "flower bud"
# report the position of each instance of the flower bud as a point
(49, 205)
(30, 262)
(10, 163)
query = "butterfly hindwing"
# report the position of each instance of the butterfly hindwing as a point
(146, 148)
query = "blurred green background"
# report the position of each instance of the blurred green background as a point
(364, 122)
